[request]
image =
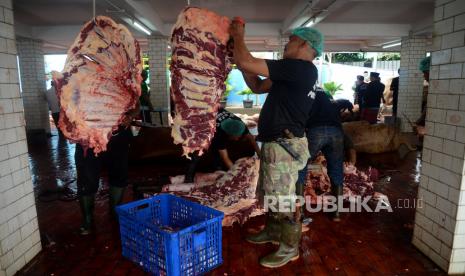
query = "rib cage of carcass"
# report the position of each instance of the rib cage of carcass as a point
(99, 83)
(199, 66)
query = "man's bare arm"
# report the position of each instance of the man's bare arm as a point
(225, 158)
(244, 60)
(257, 85)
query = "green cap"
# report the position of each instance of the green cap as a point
(312, 36)
(424, 64)
(233, 127)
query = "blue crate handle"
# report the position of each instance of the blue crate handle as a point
(200, 238)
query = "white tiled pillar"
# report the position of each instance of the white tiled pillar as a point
(440, 225)
(32, 67)
(19, 232)
(413, 50)
(159, 80)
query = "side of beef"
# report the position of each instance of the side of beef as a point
(199, 67)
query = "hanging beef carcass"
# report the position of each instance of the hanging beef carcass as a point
(99, 83)
(199, 66)
(232, 192)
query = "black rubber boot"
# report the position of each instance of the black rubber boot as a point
(116, 197)
(288, 250)
(337, 192)
(271, 232)
(87, 211)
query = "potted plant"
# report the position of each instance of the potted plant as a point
(229, 88)
(248, 103)
(331, 88)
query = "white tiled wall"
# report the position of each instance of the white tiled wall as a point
(411, 79)
(440, 225)
(159, 92)
(31, 62)
(19, 231)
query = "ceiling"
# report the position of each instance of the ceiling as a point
(348, 25)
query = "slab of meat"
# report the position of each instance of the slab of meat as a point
(99, 83)
(250, 121)
(200, 63)
(232, 192)
(356, 182)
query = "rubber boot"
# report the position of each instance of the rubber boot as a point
(300, 191)
(337, 192)
(116, 196)
(87, 210)
(288, 250)
(271, 232)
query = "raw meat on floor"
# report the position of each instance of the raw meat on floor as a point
(232, 192)
(99, 83)
(356, 182)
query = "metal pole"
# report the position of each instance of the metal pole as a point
(93, 8)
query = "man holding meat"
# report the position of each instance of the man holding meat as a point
(289, 83)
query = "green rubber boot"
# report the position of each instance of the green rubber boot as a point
(337, 192)
(300, 191)
(87, 210)
(288, 250)
(116, 196)
(271, 232)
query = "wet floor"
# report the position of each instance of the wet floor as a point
(361, 244)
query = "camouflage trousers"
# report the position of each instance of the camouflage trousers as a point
(278, 175)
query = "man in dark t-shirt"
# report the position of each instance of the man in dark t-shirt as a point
(371, 99)
(281, 127)
(395, 94)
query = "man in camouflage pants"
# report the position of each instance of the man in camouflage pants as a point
(289, 83)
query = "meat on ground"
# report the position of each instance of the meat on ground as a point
(199, 66)
(232, 192)
(356, 182)
(99, 83)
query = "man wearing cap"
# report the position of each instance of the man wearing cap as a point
(371, 99)
(289, 83)
(419, 126)
(229, 128)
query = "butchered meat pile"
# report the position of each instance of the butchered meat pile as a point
(199, 66)
(232, 192)
(356, 182)
(99, 83)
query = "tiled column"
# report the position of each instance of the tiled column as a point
(413, 50)
(440, 225)
(19, 233)
(31, 63)
(159, 80)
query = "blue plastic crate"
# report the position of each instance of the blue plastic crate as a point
(168, 235)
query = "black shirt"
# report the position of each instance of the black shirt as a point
(289, 101)
(220, 140)
(371, 97)
(324, 112)
(359, 89)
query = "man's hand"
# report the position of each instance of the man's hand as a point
(236, 29)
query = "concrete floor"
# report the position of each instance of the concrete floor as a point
(362, 244)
